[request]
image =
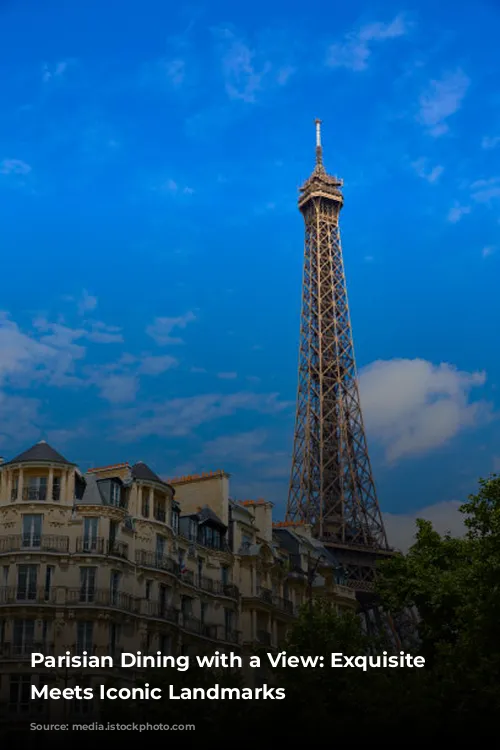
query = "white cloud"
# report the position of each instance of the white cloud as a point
(20, 419)
(489, 142)
(431, 174)
(151, 365)
(248, 71)
(487, 251)
(14, 167)
(181, 416)
(51, 72)
(118, 389)
(227, 375)
(484, 191)
(175, 71)
(414, 406)
(354, 51)
(161, 328)
(456, 212)
(445, 517)
(87, 303)
(442, 99)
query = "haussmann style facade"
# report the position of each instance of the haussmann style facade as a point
(118, 559)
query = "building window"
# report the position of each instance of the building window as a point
(160, 547)
(246, 541)
(200, 568)
(165, 644)
(186, 606)
(26, 582)
(84, 636)
(32, 530)
(24, 636)
(147, 592)
(203, 612)
(49, 573)
(115, 494)
(224, 574)
(228, 621)
(145, 505)
(193, 530)
(175, 521)
(114, 639)
(56, 489)
(87, 584)
(90, 530)
(36, 489)
(20, 693)
(114, 586)
(164, 598)
(6, 575)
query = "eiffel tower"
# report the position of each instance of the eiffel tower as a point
(331, 484)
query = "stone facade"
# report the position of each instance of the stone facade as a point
(118, 559)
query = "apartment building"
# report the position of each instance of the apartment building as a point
(119, 559)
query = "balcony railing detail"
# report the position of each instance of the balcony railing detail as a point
(26, 595)
(31, 543)
(155, 560)
(101, 546)
(265, 595)
(20, 649)
(161, 611)
(92, 597)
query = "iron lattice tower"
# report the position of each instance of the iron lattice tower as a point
(331, 484)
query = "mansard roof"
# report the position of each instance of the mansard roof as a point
(40, 453)
(140, 470)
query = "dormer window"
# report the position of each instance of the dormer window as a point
(193, 530)
(115, 493)
(175, 521)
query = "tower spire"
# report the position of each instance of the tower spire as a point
(319, 147)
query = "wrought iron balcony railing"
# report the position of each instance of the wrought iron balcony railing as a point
(24, 648)
(93, 597)
(100, 546)
(265, 595)
(285, 605)
(155, 560)
(26, 595)
(161, 611)
(32, 542)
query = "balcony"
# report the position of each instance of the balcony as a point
(159, 515)
(229, 635)
(30, 543)
(193, 625)
(100, 546)
(265, 595)
(26, 595)
(88, 596)
(161, 611)
(158, 561)
(187, 576)
(217, 587)
(117, 549)
(21, 649)
(285, 605)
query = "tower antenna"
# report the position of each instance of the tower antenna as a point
(319, 148)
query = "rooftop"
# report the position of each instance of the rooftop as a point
(40, 452)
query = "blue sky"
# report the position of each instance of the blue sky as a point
(152, 247)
